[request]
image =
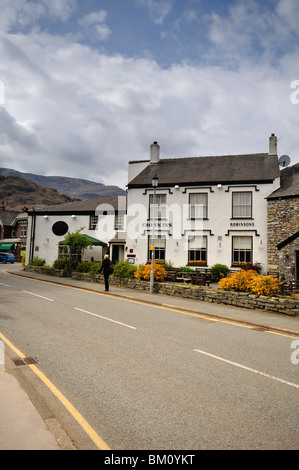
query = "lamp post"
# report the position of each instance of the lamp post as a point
(155, 180)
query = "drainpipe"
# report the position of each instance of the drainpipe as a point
(32, 236)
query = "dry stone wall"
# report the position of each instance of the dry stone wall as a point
(279, 305)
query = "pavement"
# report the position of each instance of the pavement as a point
(22, 427)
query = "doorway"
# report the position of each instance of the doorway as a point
(297, 265)
(117, 253)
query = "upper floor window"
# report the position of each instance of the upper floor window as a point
(199, 206)
(119, 221)
(160, 206)
(23, 231)
(242, 205)
(93, 222)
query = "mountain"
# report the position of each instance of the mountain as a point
(75, 188)
(17, 193)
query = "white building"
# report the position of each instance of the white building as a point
(102, 219)
(208, 209)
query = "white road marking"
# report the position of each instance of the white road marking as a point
(105, 318)
(36, 295)
(5, 285)
(247, 368)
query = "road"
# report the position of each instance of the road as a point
(146, 377)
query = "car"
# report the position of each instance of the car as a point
(7, 257)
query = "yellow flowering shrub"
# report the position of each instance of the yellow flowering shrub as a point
(264, 285)
(144, 272)
(250, 281)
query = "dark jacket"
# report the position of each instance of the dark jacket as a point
(106, 267)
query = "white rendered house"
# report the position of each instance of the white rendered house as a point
(101, 219)
(207, 210)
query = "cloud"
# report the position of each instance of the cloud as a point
(249, 31)
(22, 14)
(94, 24)
(289, 11)
(71, 110)
(158, 9)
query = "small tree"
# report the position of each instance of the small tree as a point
(218, 271)
(74, 245)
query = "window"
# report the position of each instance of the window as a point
(160, 209)
(60, 228)
(159, 251)
(61, 251)
(198, 206)
(93, 222)
(242, 205)
(197, 249)
(119, 222)
(242, 250)
(23, 231)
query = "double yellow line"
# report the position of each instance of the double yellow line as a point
(70, 408)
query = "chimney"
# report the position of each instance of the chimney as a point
(155, 153)
(272, 145)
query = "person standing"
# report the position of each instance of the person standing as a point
(107, 269)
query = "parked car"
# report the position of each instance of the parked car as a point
(7, 257)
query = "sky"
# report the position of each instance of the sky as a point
(87, 86)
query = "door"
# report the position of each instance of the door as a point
(115, 253)
(297, 265)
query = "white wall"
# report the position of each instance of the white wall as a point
(219, 223)
(46, 242)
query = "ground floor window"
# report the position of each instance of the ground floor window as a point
(60, 251)
(197, 250)
(159, 251)
(242, 250)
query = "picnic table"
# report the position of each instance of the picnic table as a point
(186, 278)
(198, 277)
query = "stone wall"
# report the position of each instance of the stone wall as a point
(279, 305)
(283, 221)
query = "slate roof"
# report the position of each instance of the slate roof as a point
(289, 183)
(86, 206)
(224, 169)
(8, 217)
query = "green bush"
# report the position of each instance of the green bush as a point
(61, 263)
(37, 262)
(88, 267)
(186, 269)
(95, 268)
(219, 271)
(123, 269)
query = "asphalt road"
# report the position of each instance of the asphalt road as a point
(146, 377)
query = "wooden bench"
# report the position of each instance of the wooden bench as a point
(183, 277)
(290, 287)
(171, 275)
(201, 279)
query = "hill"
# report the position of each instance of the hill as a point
(17, 193)
(75, 188)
